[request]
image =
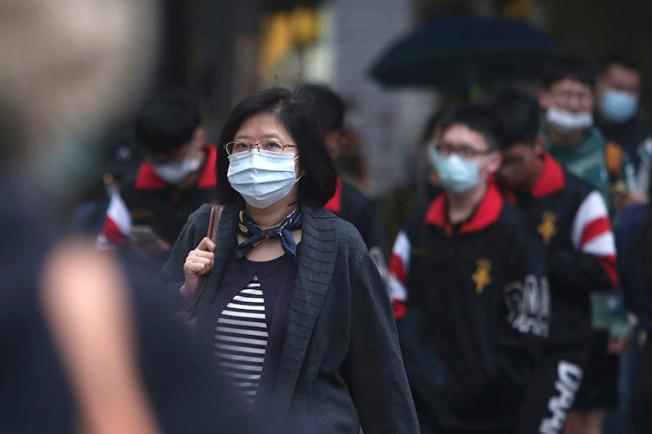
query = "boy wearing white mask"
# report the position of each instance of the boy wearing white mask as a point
(468, 288)
(569, 131)
(178, 175)
(618, 116)
(570, 136)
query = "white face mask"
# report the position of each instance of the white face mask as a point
(567, 122)
(261, 177)
(173, 173)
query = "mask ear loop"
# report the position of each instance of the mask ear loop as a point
(303, 173)
(485, 163)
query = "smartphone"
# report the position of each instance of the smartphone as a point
(145, 239)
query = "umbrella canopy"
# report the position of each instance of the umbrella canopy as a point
(465, 52)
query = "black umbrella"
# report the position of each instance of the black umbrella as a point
(463, 53)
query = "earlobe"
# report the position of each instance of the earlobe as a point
(200, 137)
(543, 100)
(494, 162)
(332, 141)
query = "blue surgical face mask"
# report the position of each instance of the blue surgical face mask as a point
(456, 174)
(617, 105)
(262, 178)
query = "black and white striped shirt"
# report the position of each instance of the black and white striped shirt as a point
(240, 340)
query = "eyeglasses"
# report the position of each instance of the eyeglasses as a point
(464, 150)
(568, 96)
(267, 145)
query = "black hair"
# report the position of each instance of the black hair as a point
(519, 114)
(620, 59)
(168, 122)
(317, 185)
(568, 67)
(432, 123)
(327, 106)
(477, 117)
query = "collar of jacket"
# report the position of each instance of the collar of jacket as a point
(335, 203)
(316, 257)
(591, 139)
(551, 180)
(148, 179)
(485, 214)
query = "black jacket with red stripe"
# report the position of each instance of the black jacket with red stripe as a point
(571, 220)
(353, 206)
(147, 200)
(471, 303)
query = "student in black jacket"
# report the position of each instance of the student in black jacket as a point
(469, 289)
(294, 309)
(571, 220)
(348, 202)
(177, 176)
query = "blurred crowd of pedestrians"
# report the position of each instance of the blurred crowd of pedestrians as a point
(248, 285)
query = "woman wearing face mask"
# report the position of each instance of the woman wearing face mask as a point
(293, 308)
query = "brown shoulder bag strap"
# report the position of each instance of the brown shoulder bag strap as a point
(189, 314)
(213, 225)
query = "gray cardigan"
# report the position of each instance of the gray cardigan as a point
(340, 366)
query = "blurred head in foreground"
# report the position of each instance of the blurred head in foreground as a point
(67, 70)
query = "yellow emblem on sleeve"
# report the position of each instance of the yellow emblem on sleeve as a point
(482, 275)
(548, 227)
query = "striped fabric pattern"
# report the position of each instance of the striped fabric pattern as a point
(117, 224)
(398, 271)
(240, 341)
(591, 233)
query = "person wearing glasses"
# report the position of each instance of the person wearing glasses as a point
(569, 132)
(293, 308)
(469, 288)
(569, 135)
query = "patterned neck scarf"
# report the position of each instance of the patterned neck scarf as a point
(255, 234)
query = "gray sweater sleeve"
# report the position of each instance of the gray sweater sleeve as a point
(171, 276)
(378, 382)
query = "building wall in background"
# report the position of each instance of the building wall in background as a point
(390, 122)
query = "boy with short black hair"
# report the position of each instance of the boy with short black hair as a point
(348, 202)
(571, 221)
(569, 131)
(468, 288)
(570, 136)
(618, 91)
(178, 175)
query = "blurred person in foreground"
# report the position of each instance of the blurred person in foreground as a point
(294, 309)
(634, 238)
(570, 136)
(469, 289)
(177, 177)
(618, 115)
(80, 349)
(348, 202)
(571, 220)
